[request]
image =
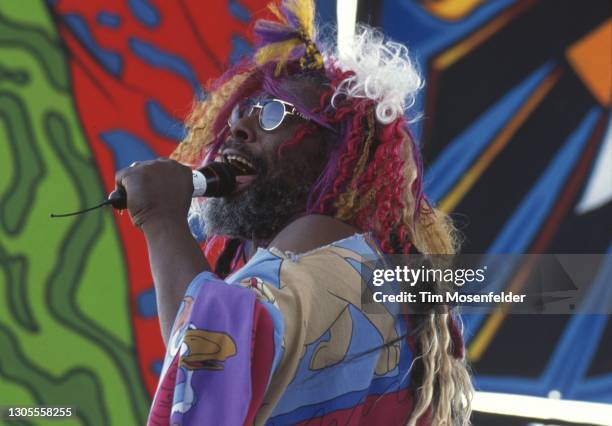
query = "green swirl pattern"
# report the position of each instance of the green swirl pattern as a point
(65, 331)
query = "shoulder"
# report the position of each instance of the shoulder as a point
(310, 232)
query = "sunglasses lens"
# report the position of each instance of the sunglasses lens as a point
(241, 109)
(271, 115)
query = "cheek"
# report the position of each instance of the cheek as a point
(302, 141)
(276, 147)
(306, 158)
(311, 150)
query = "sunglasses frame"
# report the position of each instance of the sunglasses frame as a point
(288, 109)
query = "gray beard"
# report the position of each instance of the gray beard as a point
(259, 212)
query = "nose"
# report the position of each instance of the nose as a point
(243, 130)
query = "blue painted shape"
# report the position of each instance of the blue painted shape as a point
(240, 49)
(427, 32)
(520, 229)
(144, 12)
(163, 123)
(518, 232)
(504, 384)
(108, 19)
(326, 13)
(145, 303)
(126, 148)
(580, 339)
(596, 389)
(239, 12)
(427, 35)
(111, 61)
(158, 58)
(459, 154)
(156, 367)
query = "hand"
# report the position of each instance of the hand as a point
(158, 191)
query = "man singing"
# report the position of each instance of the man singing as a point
(274, 331)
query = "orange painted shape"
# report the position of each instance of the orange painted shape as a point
(451, 10)
(591, 58)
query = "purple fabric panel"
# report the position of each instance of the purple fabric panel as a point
(221, 397)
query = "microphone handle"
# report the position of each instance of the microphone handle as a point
(214, 180)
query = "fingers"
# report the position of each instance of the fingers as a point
(155, 184)
(122, 174)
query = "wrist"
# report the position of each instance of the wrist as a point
(164, 224)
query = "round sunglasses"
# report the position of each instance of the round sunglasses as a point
(272, 112)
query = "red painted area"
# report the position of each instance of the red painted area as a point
(197, 32)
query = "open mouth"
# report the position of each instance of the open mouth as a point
(240, 163)
(246, 171)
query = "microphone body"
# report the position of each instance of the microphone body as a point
(214, 180)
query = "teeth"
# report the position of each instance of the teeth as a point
(240, 161)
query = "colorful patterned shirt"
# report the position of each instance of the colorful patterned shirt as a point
(284, 340)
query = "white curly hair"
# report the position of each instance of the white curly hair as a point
(384, 72)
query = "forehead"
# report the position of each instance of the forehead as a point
(306, 92)
(300, 92)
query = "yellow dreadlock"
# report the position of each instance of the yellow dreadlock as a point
(292, 11)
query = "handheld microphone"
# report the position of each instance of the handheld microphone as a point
(214, 180)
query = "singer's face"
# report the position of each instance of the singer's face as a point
(261, 147)
(283, 179)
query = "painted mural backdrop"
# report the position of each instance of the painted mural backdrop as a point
(518, 143)
(517, 110)
(85, 89)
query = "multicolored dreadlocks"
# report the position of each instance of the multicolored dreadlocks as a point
(373, 176)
